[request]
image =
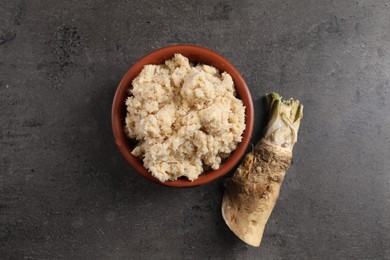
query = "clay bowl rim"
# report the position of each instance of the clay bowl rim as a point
(196, 54)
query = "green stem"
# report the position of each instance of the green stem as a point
(283, 121)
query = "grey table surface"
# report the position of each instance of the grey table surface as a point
(67, 193)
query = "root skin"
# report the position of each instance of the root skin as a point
(252, 192)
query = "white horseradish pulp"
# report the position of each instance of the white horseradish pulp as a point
(185, 118)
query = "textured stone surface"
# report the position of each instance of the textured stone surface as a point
(66, 192)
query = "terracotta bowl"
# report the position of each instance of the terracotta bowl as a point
(196, 55)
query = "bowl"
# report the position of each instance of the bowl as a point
(196, 55)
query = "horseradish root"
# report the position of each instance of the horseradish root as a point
(251, 194)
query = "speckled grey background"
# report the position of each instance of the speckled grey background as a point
(67, 193)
